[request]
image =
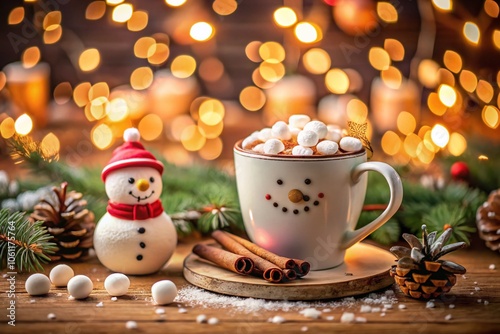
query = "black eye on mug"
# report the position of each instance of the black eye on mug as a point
(280, 182)
(307, 181)
(131, 180)
(151, 179)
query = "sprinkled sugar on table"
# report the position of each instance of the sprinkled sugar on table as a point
(471, 307)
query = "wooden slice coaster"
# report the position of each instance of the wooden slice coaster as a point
(365, 269)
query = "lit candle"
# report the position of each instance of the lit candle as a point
(29, 90)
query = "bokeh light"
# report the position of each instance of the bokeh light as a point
(95, 10)
(271, 72)
(224, 7)
(357, 111)
(447, 95)
(7, 128)
(491, 116)
(337, 81)
(471, 32)
(440, 135)
(183, 66)
(89, 60)
(272, 52)
(201, 31)
(23, 125)
(192, 139)
(391, 143)
(50, 145)
(150, 127)
(138, 21)
(457, 145)
(158, 53)
(212, 149)
(211, 112)
(316, 61)
(452, 61)
(468, 80)
(16, 16)
(445, 5)
(31, 57)
(63, 92)
(122, 13)
(387, 12)
(428, 73)
(308, 32)
(496, 38)
(484, 91)
(395, 49)
(491, 8)
(141, 78)
(252, 98)
(406, 123)
(285, 17)
(435, 105)
(144, 47)
(102, 136)
(252, 51)
(211, 69)
(392, 77)
(175, 3)
(379, 58)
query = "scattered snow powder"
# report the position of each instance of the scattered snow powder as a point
(401, 306)
(194, 296)
(100, 304)
(477, 288)
(361, 320)
(114, 299)
(51, 316)
(365, 309)
(160, 311)
(452, 306)
(486, 302)
(304, 329)
(183, 310)
(448, 317)
(430, 304)
(492, 266)
(213, 321)
(330, 318)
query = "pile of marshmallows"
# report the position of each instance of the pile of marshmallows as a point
(301, 136)
(80, 286)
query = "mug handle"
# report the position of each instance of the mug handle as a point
(396, 190)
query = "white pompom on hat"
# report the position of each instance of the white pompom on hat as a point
(131, 154)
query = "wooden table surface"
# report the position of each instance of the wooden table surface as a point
(476, 300)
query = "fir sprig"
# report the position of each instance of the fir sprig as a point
(28, 244)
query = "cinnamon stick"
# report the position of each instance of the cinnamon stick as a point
(234, 262)
(271, 272)
(301, 267)
(280, 261)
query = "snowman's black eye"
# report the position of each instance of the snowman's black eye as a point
(307, 181)
(131, 180)
(280, 182)
(151, 179)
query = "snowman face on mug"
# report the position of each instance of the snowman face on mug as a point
(134, 185)
(301, 197)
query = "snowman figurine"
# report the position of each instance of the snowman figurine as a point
(135, 236)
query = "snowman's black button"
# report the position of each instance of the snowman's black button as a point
(316, 203)
(139, 257)
(142, 244)
(141, 230)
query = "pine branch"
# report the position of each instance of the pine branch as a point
(23, 245)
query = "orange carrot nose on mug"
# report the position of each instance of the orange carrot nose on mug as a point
(307, 207)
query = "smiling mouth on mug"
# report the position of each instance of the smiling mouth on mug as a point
(299, 200)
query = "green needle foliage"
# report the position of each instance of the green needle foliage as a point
(27, 243)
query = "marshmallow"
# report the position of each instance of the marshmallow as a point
(318, 127)
(300, 150)
(248, 141)
(280, 130)
(273, 146)
(259, 148)
(265, 134)
(334, 133)
(351, 144)
(307, 138)
(295, 132)
(298, 121)
(327, 147)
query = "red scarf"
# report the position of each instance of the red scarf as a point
(135, 212)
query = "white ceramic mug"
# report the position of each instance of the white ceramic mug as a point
(308, 207)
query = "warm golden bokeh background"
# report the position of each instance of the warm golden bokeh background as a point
(195, 76)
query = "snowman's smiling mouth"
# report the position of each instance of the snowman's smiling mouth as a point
(139, 198)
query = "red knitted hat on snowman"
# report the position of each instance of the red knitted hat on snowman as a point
(131, 154)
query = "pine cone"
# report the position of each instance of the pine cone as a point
(419, 272)
(488, 221)
(69, 222)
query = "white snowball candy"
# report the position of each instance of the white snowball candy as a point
(327, 147)
(298, 121)
(351, 144)
(318, 127)
(61, 274)
(300, 150)
(80, 286)
(334, 133)
(281, 130)
(164, 292)
(37, 284)
(273, 146)
(307, 138)
(265, 134)
(259, 148)
(117, 284)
